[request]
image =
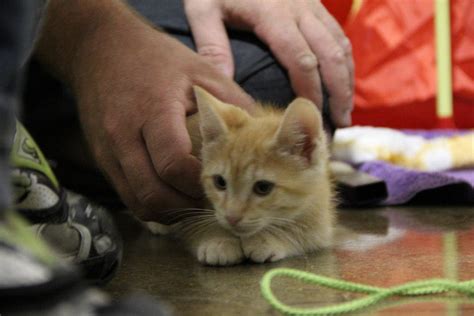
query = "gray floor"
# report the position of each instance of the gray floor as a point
(383, 247)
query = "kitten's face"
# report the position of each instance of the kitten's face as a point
(259, 186)
(258, 172)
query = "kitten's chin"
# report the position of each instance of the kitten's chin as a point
(242, 231)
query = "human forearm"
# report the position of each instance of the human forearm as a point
(74, 31)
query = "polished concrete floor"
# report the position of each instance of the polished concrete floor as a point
(382, 247)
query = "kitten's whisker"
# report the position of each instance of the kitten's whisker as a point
(282, 220)
(196, 220)
(279, 221)
(194, 212)
(200, 230)
(177, 214)
(197, 228)
(185, 216)
(279, 233)
(253, 222)
(197, 215)
(186, 210)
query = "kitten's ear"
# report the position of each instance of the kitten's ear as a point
(300, 129)
(212, 125)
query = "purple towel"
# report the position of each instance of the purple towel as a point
(404, 185)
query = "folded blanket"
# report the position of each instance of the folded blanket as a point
(447, 151)
(417, 166)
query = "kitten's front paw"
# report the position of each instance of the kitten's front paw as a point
(264, 249)
(220, 251)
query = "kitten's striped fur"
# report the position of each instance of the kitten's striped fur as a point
(284, 147)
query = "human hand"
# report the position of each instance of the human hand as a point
(134, 89)
(302, 35)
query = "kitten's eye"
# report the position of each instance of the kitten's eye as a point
(219, 182)
(263, 187)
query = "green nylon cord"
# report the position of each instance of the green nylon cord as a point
(375, 294)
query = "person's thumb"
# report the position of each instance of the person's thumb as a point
(210, 37)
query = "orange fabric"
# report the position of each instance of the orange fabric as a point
(340, 9)
(393, 45)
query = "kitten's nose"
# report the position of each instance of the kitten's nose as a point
(233, 220)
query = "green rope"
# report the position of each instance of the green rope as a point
(375, 294)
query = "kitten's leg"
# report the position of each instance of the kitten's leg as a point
(265, 246)
(216, 246)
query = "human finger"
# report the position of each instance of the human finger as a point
(336, 31)
(169, 146)
(291, 49)
(334, 71)
(154, 197)
(210, 35)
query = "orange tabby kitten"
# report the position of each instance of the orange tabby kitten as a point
(266, 177)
